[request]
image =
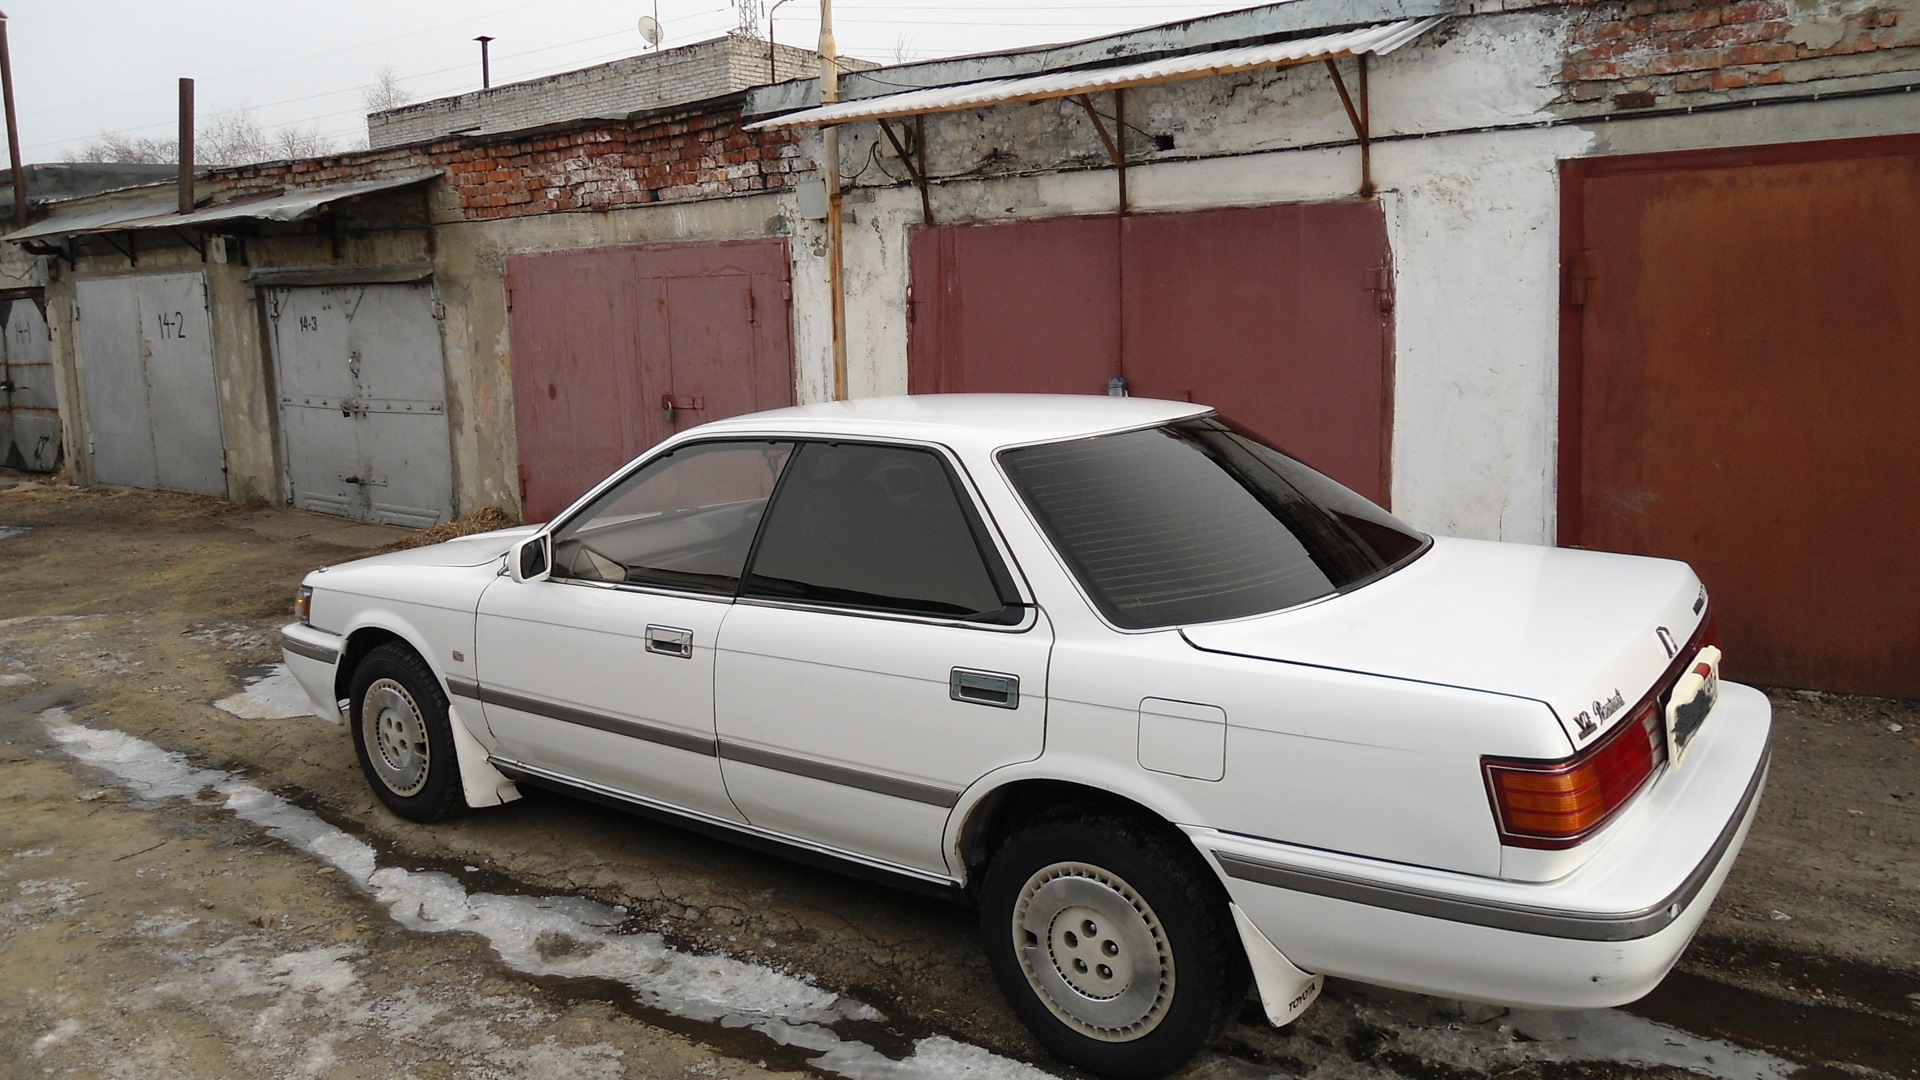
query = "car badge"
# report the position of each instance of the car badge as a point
(1604, 709)
(1585, 723)
(1666, 641)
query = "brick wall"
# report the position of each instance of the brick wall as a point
(1636, 54)
(651, 80)
(671, 156)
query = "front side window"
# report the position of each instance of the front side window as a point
(684, 520)
(885, 528)
(1196, 522)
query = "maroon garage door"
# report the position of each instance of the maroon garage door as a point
(1740, 390)
(614, 349)
(1275, 314)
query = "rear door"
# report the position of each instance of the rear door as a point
(879, 661)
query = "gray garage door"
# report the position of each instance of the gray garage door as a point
(363, 401)
(146, 370)
(29, 409)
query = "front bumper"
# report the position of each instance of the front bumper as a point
(1602, 935)
(313, 656)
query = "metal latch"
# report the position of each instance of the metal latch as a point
(670, 641)
(984, 688)
(672, 403)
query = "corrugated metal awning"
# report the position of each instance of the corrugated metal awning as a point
(1378, 40)
(287, 206)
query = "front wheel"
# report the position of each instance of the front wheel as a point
(1112, 943)
(402, 736)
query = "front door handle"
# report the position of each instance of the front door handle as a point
(984, 688)
(670, 641)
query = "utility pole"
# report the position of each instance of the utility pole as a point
(13, 129)
(830, 135)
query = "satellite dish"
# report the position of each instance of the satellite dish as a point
(650, 29)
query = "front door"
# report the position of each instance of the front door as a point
(880, 659)
(603, 673)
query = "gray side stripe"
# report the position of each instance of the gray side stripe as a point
(311, 652)
(911, 790)
(567, 714)
(1519, 918)
(465, 688)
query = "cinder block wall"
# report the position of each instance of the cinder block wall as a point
(652, 80)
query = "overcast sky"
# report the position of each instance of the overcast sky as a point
(83, 67)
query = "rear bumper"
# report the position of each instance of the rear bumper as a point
(1603, 935)
(313, 655)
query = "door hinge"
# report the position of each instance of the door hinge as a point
(1380, 284)
(1578, 274)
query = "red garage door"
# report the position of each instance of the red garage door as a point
(1739, 390)
(614, 349)
(1272, 313)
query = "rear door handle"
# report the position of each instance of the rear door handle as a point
(670, 641)
(984, 688)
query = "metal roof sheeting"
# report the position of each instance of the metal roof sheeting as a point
(286, 206)
(1379, 40)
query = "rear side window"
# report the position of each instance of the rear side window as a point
(878, 527)
(1195, 522)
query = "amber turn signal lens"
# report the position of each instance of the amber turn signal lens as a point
(303, 604)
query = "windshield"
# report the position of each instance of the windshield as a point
(1196, 522)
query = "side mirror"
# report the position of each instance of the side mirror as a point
(532, 558)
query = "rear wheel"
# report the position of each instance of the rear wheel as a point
(1112, 943)
(402, 736)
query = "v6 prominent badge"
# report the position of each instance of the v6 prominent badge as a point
(1693, 698)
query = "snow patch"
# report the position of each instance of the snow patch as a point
(1611, 1035)
(546, 936)
(275, 695)
(62, 1031)
(8, 532)
(15, 679)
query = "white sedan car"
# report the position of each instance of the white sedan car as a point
(1175, 710)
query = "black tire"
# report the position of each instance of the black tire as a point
(398, 713)
(1161, 970)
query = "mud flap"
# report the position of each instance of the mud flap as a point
(1285, 990)
(480, 782)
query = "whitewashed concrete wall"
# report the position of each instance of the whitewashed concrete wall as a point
(1473, 220)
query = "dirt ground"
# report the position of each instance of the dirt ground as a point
(215, 928)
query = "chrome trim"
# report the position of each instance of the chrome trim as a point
(568, 714)
(990, 688)
(745, 828)
(312, 652)
(911, 790)
(670, 641)
(1027, 622)
(1499, 915)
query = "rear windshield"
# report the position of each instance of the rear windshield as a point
(1196, 522)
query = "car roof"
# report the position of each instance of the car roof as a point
(977, 422)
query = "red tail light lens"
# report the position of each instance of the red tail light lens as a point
(1556, 804)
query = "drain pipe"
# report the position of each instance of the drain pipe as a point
(830, 135)
(186, 146)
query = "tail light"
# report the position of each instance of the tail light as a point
(1557, 804)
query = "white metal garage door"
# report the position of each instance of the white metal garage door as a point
(29, 408)
(363, 401)
(146, 369)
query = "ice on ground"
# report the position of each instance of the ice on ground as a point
(276, 695)
(550, 935)
(15, 678)
(1611, 1035)
(8, 532)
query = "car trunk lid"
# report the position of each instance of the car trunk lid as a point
(1581, 631)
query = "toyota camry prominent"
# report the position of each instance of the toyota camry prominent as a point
(1177, 712)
